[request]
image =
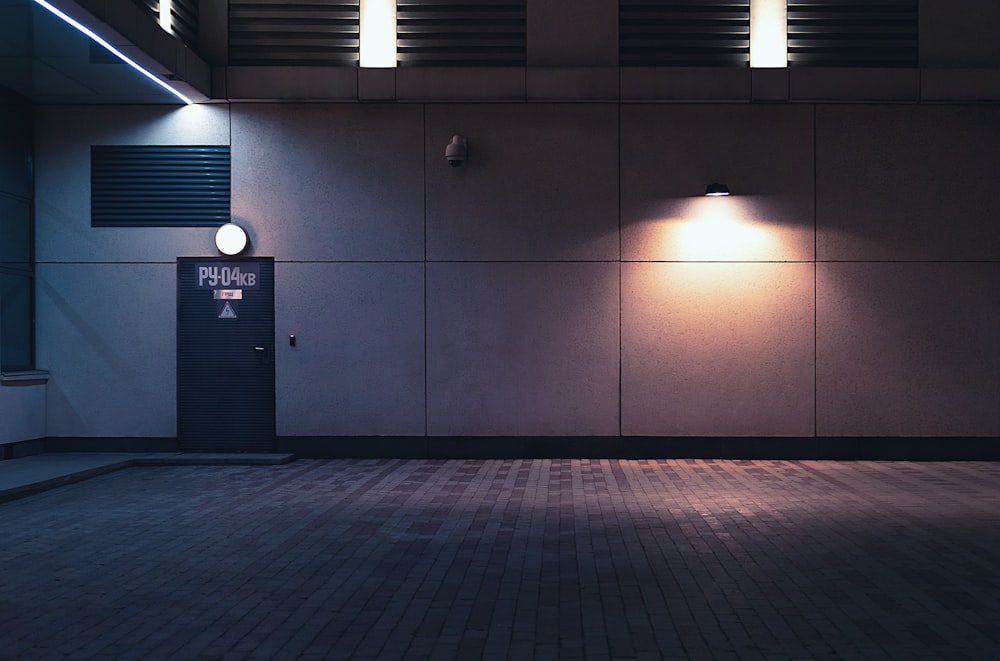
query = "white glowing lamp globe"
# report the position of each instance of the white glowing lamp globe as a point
(231, 239)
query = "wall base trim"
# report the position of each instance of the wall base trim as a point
(871, 448)
(17, 449)
(111, 444)
(644, 447)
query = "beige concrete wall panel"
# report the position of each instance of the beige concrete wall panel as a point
(62, 179)
(959, 33)
(685, 84)
(292, 83)
(522, 349)
(539, 184)
(960, 85)
(107, 333)
(907, 183)
(669, 154)
(330, 182)
(769, 84)
(572, 33)
(358, 364)
(22, 409)
(572, 84)
(717, 349)
(853, 84)
(460, 83)
(908, 349)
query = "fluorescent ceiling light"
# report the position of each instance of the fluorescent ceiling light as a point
(768, 34)
(111, 49)
(378, 33)
(166, 21)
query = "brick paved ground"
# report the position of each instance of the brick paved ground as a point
(571, 559)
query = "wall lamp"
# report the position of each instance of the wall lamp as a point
(231, 239)
(717, 190)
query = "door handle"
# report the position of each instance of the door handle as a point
(259, 349)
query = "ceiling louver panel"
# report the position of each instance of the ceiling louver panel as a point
(304, 33)
(852, 33)
(706, 33)
(440, 33)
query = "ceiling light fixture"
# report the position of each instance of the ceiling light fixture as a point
(111, 49)
(717, 190)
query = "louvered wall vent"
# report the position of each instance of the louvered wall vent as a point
(470, 34)
(305, 33)
(159, 186)
(183, 18)
(184, 21)
(151, 7)
(852, 33)
(706, 33)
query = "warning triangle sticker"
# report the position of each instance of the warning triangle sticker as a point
(227, 312)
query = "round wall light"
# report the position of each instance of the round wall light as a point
(231, 239)
(717, 190)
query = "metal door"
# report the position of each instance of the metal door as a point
(225, 354)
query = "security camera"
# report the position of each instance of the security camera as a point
(456, 152)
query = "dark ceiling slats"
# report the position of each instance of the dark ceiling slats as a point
(184, 18)
(852, 33)
(304, 33)
(441, 33)
(151, 6)
(706, 33)
(159, 186)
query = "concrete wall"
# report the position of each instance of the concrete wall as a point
(570, 279)
(22, 402)
(22, 410)
(105, 298)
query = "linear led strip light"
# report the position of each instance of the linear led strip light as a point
(111, 49)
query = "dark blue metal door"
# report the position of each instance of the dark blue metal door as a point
(225, 354)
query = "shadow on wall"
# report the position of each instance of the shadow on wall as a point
(95, 369)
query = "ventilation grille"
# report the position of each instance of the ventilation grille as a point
(707, 33)
(470, 34)
(852, 33)
(152, 7)
(303, 34)
(183, 18)
(184, 21)
(154, 186)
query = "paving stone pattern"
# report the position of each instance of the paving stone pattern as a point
(515, 559)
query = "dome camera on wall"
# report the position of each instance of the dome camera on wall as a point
(456, 152)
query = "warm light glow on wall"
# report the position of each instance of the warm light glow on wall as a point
(713, 231)
(378, 33)
(768, 34)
